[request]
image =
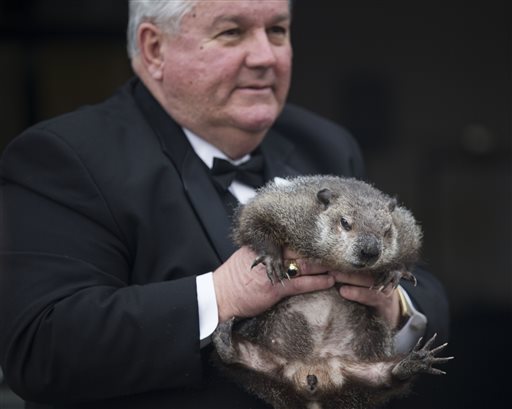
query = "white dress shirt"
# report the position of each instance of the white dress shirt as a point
(405, 338)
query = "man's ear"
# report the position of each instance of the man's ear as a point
(151, 39)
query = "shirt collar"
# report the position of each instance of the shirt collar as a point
(207, 152)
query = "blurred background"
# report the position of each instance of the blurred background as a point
(426, 89)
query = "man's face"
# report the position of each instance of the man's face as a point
(229, 67)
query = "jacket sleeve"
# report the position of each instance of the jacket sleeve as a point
(71, 321)
(429, 297)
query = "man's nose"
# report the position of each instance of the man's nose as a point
(260, 51)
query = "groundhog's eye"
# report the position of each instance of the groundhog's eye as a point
(345, 224)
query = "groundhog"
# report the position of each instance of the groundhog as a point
(318, 350)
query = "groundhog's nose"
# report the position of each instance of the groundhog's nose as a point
(370, 250)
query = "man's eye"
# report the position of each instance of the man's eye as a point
(232, 32)
(279, 30)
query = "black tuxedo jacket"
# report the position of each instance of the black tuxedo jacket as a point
(107, 216)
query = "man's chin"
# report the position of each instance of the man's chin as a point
(257, 118)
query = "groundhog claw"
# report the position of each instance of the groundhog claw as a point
(383, 280)
(421, 360)
(406, 275)
(274, 268)
(392, 278)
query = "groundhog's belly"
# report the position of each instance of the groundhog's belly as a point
(320, 325)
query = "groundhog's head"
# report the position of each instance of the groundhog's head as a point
(358, 228)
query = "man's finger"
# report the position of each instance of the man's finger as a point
(365, 295)
(305, 284)
(304, 265)
(359, 279)
(309, 267)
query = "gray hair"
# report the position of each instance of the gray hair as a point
(164, 13)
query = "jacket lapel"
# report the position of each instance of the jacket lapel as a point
(277, 152)
(194, 174)
(207, 203)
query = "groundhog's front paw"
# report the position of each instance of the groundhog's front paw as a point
(383, 280)
(274, 267)
(420, 360)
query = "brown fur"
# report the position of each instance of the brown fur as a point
(318, 350)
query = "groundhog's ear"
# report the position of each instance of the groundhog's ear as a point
(392, 205)
(324, 196)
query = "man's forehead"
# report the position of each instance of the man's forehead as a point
(239, 10)
(241, 18)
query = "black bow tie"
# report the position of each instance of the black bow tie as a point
(250, 172)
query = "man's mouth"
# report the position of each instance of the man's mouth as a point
(257, 87)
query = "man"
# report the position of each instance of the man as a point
(112, 221)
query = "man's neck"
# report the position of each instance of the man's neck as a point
(207, 152)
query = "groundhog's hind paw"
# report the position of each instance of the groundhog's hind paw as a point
(223, 341)
(421, 360)
(274, 267)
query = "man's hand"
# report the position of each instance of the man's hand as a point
(357, 287)
(245, 292)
